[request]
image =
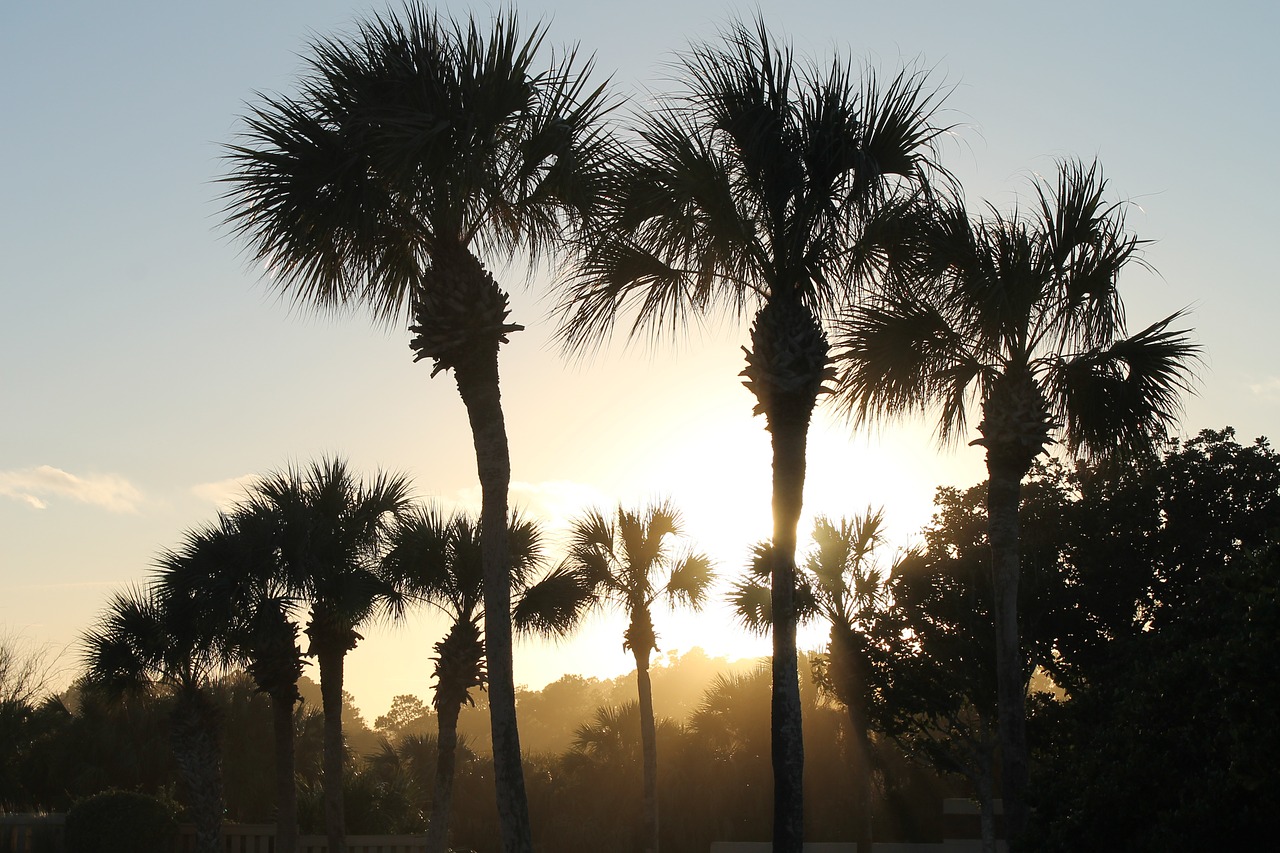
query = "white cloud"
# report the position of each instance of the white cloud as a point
(225, 493)
(33, 485)
(1268, 388)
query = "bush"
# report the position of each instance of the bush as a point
(121, 822)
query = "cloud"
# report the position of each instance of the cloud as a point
(1268, 388)
(225, 493)
(33, 486)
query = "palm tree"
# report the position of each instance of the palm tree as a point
(1018, 315)
(331, 530)
(841, 584)
(747, 193)
(440, 560)
(415, 149)
(149, 640)
(625, 561)
(233, 567)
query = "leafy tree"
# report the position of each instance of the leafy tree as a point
(1020, 315)
(439, 560)
(406, 715)
(1182, 690)
(931, 679)
(331, 529)
(626, 562)
(746, 193)
(153, 640)
(414, 149)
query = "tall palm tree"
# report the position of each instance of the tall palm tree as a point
(746, 193)
(150, 639)
(440, 560)
(415, 150)
(842, 585)
(233, 568)
(331, 530)
(1019, 316)
(626, 561)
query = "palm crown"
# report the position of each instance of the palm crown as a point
(748, 187)
(409, 148)
(1021, 313)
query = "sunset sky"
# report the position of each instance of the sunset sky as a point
(147, 372)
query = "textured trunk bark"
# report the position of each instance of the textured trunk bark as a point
(649, 744)
(331, 665)
(789, 430)
(446, 763)
(1003, 496)
(478, 387)
(286, 787)
(198, 755)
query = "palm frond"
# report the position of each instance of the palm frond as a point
(1121, 400)
(554, 605)
(690, 578)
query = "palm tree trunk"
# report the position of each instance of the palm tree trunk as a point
(649, 745)
(331, 665)
(786, 366)
(790, 438)
(847, 670)
(1003, 496)
(478, 386)
(866, 780)
(286, 787)
(446, 763)
(198, 755)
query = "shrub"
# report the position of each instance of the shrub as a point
(121, 822)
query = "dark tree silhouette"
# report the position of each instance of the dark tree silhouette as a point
(331, 530)
(414, 149)
(150, 639)
(746, 194)
(625, 562)
(439, 560)
(1020, 316)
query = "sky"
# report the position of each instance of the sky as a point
(147, 371)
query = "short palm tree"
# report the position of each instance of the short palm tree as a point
(331, 529)
(842, 585)
(150, 639)
(440, 560)
(1020, 317)
(233, 568)
(415, 150)
(746, 194)
(626, 561)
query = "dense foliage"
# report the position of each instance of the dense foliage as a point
(120, 822)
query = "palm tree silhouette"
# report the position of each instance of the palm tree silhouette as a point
(746, 193)
(414, 149)
(625, 562)
(332, 529)
(233, 568)
(843, 585)
(151, 640)
(1018, 315)
(440, 560)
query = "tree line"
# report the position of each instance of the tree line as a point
(805, 198)
(1149, 610)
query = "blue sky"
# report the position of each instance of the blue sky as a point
(144, 368)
